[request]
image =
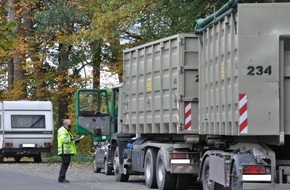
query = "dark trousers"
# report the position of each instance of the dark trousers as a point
(65, 161)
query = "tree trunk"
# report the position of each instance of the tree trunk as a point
(11, 17)
(41, 91)
(96, 63)
(10, 74)
(19, 85)
(63, 84)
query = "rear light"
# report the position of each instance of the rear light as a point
(179, 156)
(49, 145)
(8, 145)
(255, 170)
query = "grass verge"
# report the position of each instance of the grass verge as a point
(79, 158)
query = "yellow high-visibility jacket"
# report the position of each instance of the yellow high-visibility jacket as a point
(66, 143)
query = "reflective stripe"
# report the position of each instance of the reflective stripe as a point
(243, 110)
(65, 143)
(180, 161)
(256, 177)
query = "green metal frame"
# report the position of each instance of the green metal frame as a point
(203, 23)
(81, 130)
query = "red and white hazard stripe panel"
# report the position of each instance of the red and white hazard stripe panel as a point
(187, 106)
(187, 111)
(243, 110)
(177, 115)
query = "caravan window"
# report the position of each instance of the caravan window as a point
(28, 121)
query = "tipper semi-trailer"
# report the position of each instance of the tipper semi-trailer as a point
(211, 107)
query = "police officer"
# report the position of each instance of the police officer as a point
(66, 148)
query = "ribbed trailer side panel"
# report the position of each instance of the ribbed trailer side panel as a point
(219, 79)
(244, 73)
(160, 86)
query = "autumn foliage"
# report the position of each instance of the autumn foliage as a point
(51, 48)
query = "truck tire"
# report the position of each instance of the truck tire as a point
(120, 177)
(95, 167)
(165, 180)
(150, 168)
(207, 184)
(108, 169)
(182, 181)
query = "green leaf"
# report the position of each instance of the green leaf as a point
(14, 36)
(11, 25)
(9, 37)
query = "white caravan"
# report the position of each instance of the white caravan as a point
(26, 129)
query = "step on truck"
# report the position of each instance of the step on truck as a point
(211, 107)
(26, 129)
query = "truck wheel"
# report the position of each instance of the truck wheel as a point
(182, 181)
(108, 169)
(207, 184)
(150, 168)
(96, 169)
(165, 180)
(120, 177)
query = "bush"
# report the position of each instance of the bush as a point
(79, 158)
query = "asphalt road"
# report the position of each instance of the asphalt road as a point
(30, 176)
(14, 181)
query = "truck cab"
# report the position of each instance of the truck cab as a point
(98, 117)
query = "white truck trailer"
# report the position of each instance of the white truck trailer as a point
(212, 107)
(26, 129)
